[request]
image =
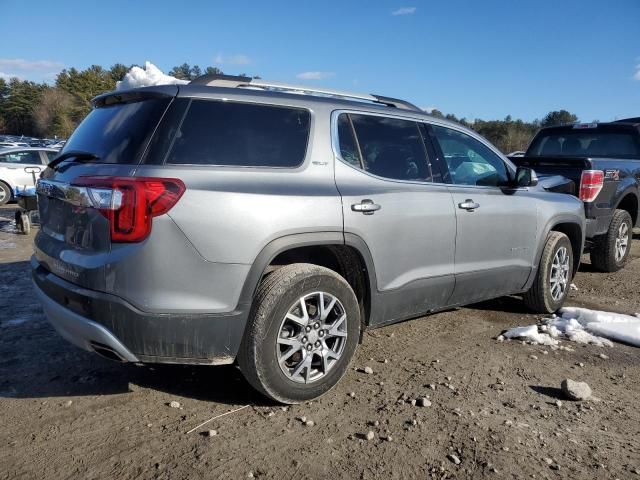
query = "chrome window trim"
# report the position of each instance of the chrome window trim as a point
(335, 145)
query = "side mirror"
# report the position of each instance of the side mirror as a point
(526, 177)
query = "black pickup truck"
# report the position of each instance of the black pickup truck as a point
(603, 160)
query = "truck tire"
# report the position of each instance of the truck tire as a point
(5, 193)
(553, 280)
(293, 348)
(611, 250)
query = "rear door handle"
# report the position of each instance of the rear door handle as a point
(469, 205)
(366, 206)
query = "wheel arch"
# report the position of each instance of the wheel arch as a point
(572, 226)
(576, 237)
(348, 255)
(629, 202)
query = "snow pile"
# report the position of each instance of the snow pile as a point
(147, 76)
(581, 325)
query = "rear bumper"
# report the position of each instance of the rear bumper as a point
(93, 320)
(82, 332)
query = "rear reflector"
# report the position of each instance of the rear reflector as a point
(591, 183)
(130, 203)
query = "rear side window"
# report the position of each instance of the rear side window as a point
(118, 133)
(240, 134)
(390, 147)
(585, 143)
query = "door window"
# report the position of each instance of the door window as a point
(469, 161)
(23, 158)
(390, 147)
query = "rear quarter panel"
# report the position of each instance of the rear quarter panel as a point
(230, 214)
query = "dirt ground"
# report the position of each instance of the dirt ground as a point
(66, 413)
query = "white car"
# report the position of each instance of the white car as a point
(18, 167)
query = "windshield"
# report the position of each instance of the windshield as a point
(118, 133)
(585, 143)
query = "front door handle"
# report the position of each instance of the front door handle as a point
(469, 205)
(366, 206)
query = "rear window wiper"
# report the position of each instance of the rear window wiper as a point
(78, 154)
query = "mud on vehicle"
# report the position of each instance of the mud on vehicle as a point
(236, 220)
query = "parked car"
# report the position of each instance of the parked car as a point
(15, 172)
(604, 160)
(271, 225)
(6, 144)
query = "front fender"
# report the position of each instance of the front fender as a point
(576, 219)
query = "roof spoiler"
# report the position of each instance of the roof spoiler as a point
(235, 81)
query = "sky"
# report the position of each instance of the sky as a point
(477, 59)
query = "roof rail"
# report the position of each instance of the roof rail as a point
(233, 81)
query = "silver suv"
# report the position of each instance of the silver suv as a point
(238, 220)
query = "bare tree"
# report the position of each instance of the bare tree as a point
(52, 113)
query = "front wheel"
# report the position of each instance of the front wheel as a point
(302, 332)
(551, 286)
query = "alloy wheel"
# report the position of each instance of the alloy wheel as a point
(312, 337)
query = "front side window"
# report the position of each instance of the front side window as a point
(240, 134)
(390, 147)
(469, 161)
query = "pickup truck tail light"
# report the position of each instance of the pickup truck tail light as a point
(130, 203)
(591, 183)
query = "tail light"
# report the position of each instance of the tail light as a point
(130, 203)
(591, 183)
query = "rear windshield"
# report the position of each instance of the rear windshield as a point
(118, 133)
(585, 143)
(240, 134)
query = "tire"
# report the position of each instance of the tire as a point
(279, 296)
(541, 297)
(5, 193)
(25, 224)
(611, 250)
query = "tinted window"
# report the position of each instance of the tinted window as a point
(23, 158)
(587, 143)
(118, 133)
(391, 148)
(469, 161)
(51, 155)
(348, 147)
(241, 134)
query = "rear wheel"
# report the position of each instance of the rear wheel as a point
(611, 250)
(302, 332)
(5, 193)
(551, 286)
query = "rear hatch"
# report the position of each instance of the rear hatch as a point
(76, 195)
